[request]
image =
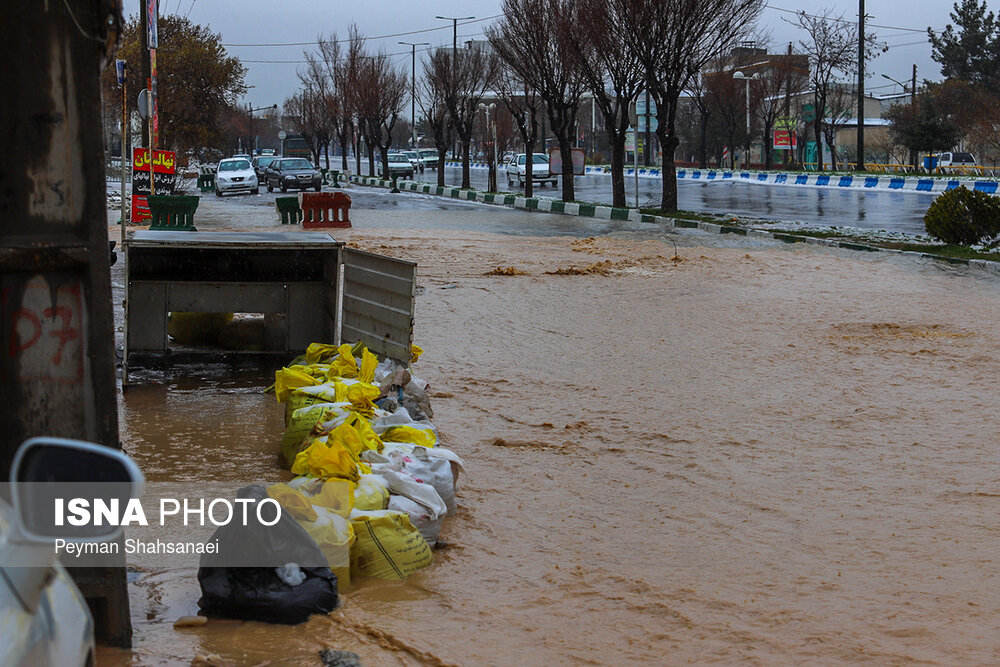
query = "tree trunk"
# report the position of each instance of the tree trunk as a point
(357, 152)
(617, 142)
(442, 158)
(529, 159)
(818, 127)
(371, 157)
(668, 193)
(466, 141)
(384, 152)
(703, 141)
(768, 150)
(566, 153)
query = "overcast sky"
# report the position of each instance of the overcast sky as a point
(260, 22)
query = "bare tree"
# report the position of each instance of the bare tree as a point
(613, 75)
(468, 77)
(697, 91)
(779, 78)
(675, 39)
(534, 38)
(336, 70)
(524, 105)
(832, 47)
(381, 92)
(432, 103)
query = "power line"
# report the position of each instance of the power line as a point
(387, 55)
(842, 20)
(397, 34)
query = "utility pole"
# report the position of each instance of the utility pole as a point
(57, 373)
(413, 89)
(861, 86)
(914, 157)
(454, 53)
(645, 139)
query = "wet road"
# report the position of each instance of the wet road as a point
(892, 211)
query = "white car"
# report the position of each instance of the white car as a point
(236, 175)
(415, 160)
(44, 619)
(399, 165)
(517, 169)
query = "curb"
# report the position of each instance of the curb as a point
(547, 205)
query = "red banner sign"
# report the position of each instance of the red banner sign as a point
(785, 140)
(164, 166)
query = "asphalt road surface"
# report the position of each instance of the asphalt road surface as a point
(891, 211)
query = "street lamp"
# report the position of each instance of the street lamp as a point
(253, 137)
(413, 89)
(740, 76)
(494, 159)
(913, 103)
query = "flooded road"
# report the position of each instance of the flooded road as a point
(750, 454)
(867, 209)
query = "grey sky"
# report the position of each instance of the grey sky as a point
(288, 21)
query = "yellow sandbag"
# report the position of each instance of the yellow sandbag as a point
(336, 495)
(369, 362)
(334, 535)
(417, 435)
(293, 502)
(371, 493)
(304, 396)
(415, 352)
(287, 380)
(317, 352)
(303, 424)
(387, 545)
(344, 365)
(191, 328)
(361, 395)
(369, 438)
(320, 460)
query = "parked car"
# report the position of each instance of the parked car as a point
(295, 173)
(260, 165)
(45, 618)
(956, 159)
(235, 175)
(517, 169)
(242, 155)
(399, 165)
(415, 160)
(429, 157)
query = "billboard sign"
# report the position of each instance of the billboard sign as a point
(164, 168)
(555, 161)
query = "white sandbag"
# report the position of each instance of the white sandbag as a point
(421, 518)
(404, 484)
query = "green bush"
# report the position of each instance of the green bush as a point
(963, 217)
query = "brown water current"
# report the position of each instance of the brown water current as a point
(741, 455)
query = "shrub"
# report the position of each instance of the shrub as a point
(963, 217)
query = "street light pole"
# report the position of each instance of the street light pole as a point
(861, 85)
(253, 138)
(413, 89)
(913, 103)
(748, 79)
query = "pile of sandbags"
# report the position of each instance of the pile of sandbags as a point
(374, 483)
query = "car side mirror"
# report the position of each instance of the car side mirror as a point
(49, 474)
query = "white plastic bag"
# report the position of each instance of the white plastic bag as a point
(421, 518)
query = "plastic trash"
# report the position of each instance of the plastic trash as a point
(291, 574)
(256, 592)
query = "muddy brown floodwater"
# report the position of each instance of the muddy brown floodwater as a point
(746, 455)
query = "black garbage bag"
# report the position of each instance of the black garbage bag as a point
(242, 581)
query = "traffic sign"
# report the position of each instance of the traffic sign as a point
(282, 135)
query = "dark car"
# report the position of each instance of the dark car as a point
(260, 164)
(295, 173)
